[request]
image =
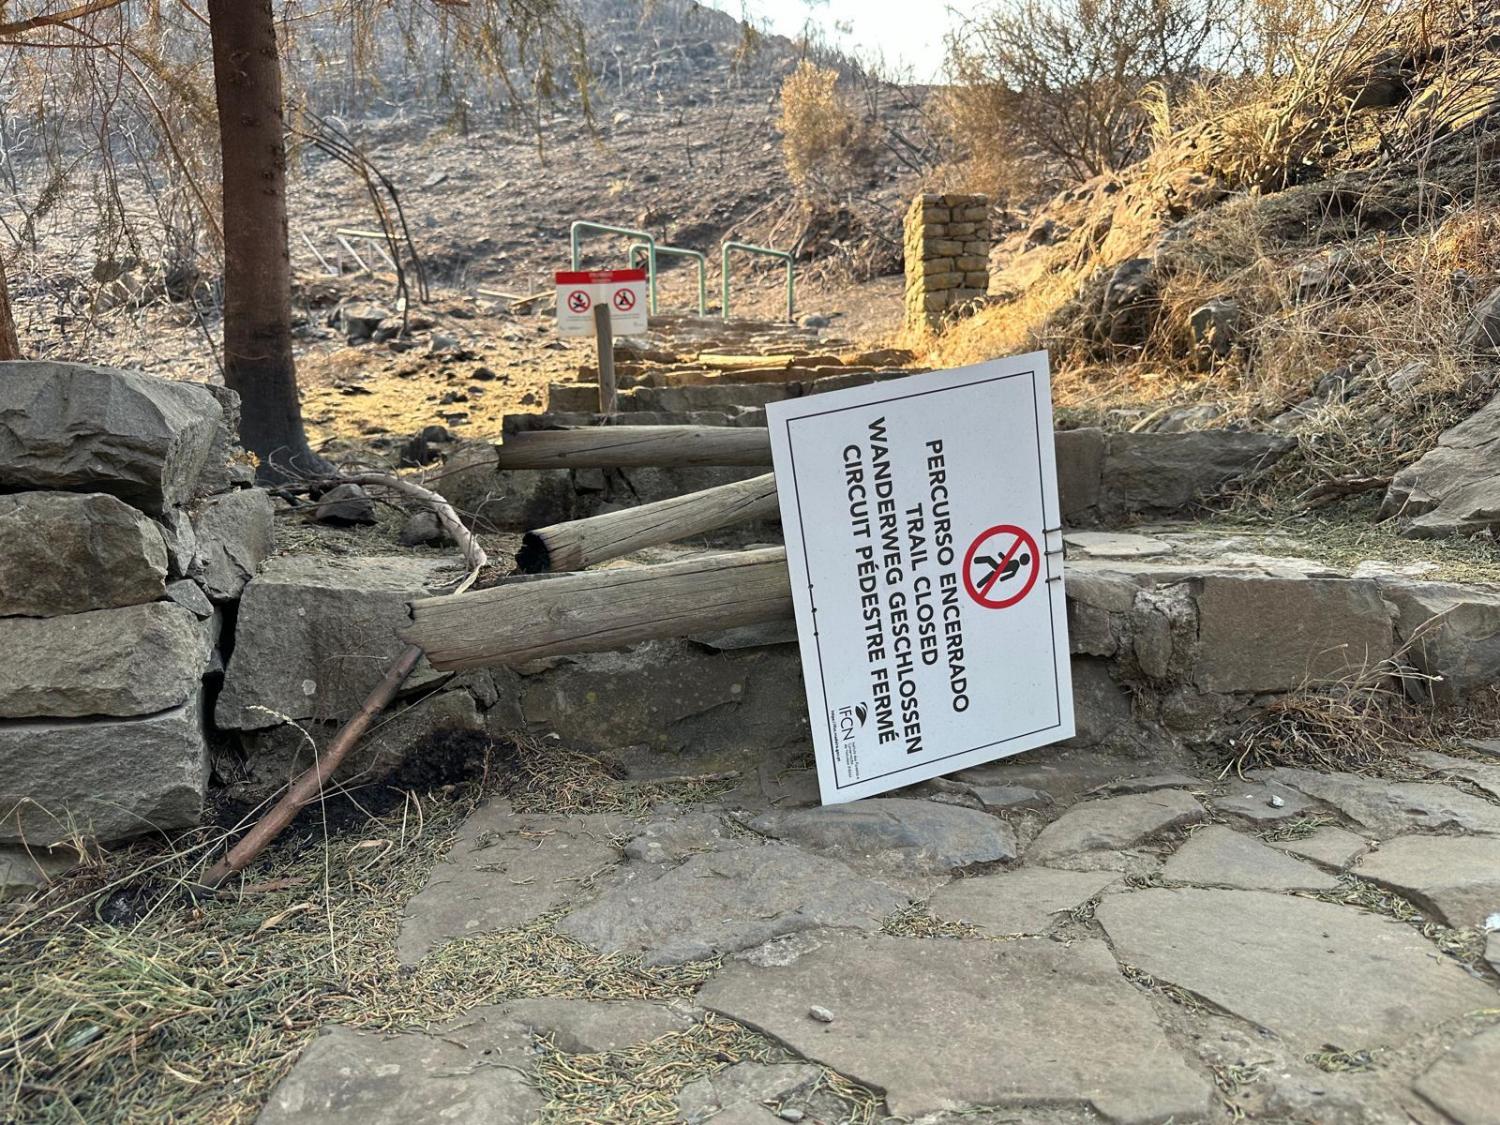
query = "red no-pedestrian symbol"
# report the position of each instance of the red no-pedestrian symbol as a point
(624, 300)
(1001, 566)
(579, 301)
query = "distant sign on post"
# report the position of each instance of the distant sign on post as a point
(623, 292)
(923, 537)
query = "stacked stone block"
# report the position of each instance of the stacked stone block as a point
(126, 527)
(947, 255)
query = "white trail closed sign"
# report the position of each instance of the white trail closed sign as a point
(924, 539)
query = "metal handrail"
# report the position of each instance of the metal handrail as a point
(576, 238)
(766, 251)
(682, 252)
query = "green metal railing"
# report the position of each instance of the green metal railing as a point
(645, 242)
(766, 251)
(681, 252)
(576, 237)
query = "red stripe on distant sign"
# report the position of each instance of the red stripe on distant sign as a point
(598, 277)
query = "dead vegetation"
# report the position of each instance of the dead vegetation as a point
(824, 139)
(1301, 248)
(127, 998)
(641, 1083)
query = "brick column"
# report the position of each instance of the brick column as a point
(947, 255)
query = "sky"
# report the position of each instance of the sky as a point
(908, 33)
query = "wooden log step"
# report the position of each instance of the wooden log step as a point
(809, 362)
(579, 544)
(601, 610)
(634, 447)
(722, 360)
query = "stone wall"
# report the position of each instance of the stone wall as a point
(947, 255)
(120, 549)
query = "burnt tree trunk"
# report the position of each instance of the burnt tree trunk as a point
(10, 345)
(258, 361)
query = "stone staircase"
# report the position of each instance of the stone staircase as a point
(1295, 944)
(1180, 634)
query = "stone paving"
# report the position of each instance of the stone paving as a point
(1057, 938)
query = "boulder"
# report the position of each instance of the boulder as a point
(1481, 335)
(1097, 602)
(347, 505)
(64, 553)
(26, 870)
(1455, 488)
(108, 779)
(236, 532)
(1168, 472)
(182, 544)
(226, 465)
(81, 428)
(316, 634)
(422, 529)
(360, 322)
(1451, 634)
(119, 662)
(1326, 628)
(1215, 326)
(1130, 304)
(188, 594)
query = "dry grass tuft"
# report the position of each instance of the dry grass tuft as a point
(641, 1084)
(1148, 983)
(548, 777)
(916, 921)
(1349, 723)
(127, 999)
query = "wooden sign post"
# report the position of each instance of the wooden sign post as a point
(604, 337)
